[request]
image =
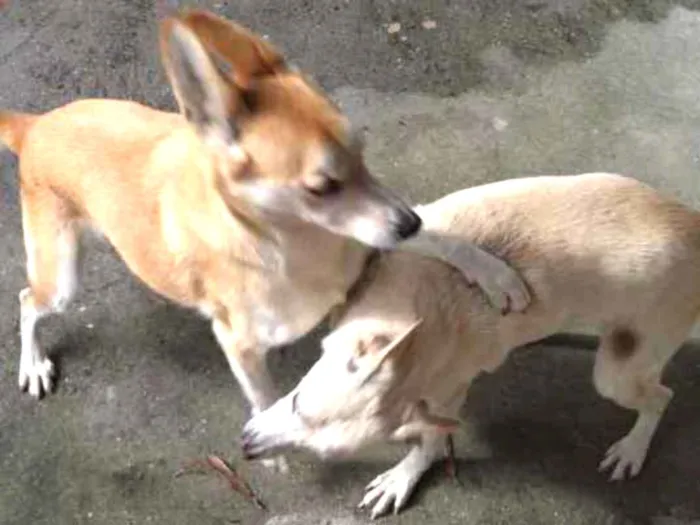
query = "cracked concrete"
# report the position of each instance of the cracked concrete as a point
(451, 93)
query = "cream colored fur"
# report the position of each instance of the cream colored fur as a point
(600, 249)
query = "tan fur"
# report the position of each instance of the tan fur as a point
(599, 249)
(602, 250)
(222, 207)
(13, 127)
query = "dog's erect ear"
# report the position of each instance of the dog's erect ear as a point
(381, 346)
(396, 341)
(205, 98)
(245, 54)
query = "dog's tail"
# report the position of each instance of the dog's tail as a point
(13, 128)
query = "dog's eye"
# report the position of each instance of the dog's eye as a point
(351, 365)
(306, 421)
(323, 186)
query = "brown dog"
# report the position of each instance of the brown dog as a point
(603, 250)
(247, 205)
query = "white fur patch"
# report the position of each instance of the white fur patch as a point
(35, 369)
(67, 271)
(30, 248)
(369, 232)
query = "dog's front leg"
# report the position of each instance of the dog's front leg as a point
(249, 366)
(391, 489)
(504, 287)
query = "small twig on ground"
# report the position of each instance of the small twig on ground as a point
(236, 482)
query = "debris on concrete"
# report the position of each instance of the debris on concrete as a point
(234, 479)
(393, 28)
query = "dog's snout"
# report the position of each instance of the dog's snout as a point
(408, 224)
(249, 444)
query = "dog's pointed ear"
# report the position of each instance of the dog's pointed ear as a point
(392, 345)
(246, 54)
(204, 96)
(381, 346)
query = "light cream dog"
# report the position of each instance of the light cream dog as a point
(248, 205)
(599, 249)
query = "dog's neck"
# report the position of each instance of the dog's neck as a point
(286, 271)
(240, 231)
(336, 261)
(311, 273)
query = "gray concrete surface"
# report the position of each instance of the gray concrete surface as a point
(465, 91)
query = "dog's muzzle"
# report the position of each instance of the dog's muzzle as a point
(269, 431)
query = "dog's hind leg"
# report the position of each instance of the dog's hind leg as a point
(52, 244)
(628, 370)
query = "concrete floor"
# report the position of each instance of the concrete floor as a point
(464, 92)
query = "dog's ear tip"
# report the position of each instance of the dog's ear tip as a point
(196, 13)
(170, 30)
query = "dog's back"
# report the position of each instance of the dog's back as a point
(601, 250)
(583, 240)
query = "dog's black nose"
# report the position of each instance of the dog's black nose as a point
(408, 225)
(248, 444)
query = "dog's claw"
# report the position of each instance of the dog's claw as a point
(627, 458)
(505, 310)
(389, 490)
(503, 286)
(37, 377)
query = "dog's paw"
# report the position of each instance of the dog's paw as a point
(36, 376)
(626, 456)
(504, 287)
(277, 464)
(389, 490)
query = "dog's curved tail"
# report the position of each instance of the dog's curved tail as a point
(13, 128)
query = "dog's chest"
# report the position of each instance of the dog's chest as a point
(302, 294)
(282, 325)
(289, 312)
(284, 301)
(273, 310)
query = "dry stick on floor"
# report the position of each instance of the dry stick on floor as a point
(236, 482)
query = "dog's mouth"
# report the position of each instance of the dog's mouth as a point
(386, 235)
(270, 431)
(256, 445)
